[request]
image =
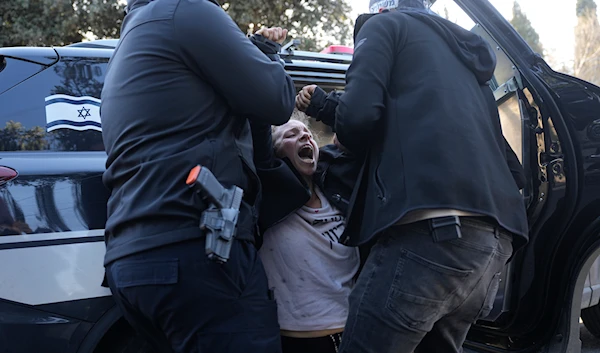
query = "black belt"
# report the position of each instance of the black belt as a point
(449, 228)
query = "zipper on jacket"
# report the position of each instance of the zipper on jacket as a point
(335, 197)
(339, 198)
(380, 186)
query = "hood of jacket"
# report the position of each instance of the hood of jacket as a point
(472, 50)
(133, 4)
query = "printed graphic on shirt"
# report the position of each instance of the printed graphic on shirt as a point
(327, 220)
(334, 233)
(334, 227)
(74, 113)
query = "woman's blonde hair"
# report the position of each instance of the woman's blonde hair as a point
(298, 116)
(305, 119)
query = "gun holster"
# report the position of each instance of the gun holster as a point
(219, 220)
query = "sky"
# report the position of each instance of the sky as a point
(554, 21)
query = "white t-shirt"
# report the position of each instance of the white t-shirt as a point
(310, 272)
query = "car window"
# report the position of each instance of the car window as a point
(449, 10)
(57, 109)
(13, 71)
(506, 82)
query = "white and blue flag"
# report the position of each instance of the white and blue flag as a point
(75, 113)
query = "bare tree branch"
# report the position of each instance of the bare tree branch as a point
(587, 47)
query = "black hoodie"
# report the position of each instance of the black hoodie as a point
(417, 105)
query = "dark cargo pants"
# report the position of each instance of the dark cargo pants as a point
(417, 295)
(181, 301)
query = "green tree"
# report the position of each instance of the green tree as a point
(310, 20)
(57, 22)
(523, 26)
(587, 42)
(585, 6)
(101, 17)
(60, 22)
(15, 137)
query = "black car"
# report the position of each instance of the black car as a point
(53, 203)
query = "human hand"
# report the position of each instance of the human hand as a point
(276, 34)
(304, 96)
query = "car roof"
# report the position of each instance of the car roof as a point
(305, 67)
(99, 43)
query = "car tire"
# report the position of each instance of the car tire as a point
(123, 339)
(131, 344)
(591, 319)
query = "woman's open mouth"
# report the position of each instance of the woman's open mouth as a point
(306, 154)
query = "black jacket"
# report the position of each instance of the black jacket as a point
(323, 107)
(416, 106)
(180, 88)
(284, 190)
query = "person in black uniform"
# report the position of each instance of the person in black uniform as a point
(435, 195)
(176, 95)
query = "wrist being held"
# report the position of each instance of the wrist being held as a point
(304, 97)
(276, 34)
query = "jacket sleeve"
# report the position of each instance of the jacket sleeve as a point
(362, 105)
(283, 190)
(322, 106)
(262, 142)
(214, 48)
(268, 47)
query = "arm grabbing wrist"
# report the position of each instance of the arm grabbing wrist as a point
(267, 46)
(322, 106)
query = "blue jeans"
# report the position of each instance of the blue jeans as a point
(417, 295)
(181, 301)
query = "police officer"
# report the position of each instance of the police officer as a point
(436, 196)
(176, 95)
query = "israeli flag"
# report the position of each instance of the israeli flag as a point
(75, 113)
